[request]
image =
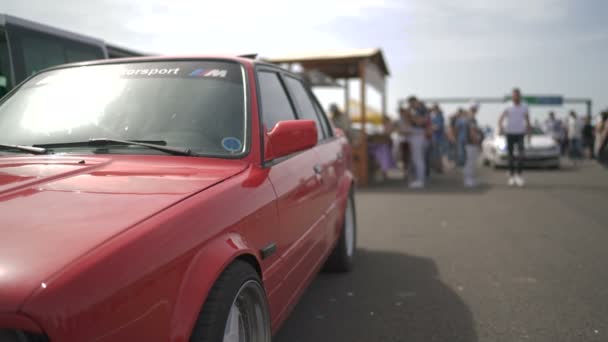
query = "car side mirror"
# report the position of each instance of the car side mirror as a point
(288, 137)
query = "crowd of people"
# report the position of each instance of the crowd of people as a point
(423, 138)
(578, 137)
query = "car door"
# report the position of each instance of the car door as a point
(333, 153)
(298, 189)
(328, 150)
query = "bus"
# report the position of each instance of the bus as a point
(27, 47)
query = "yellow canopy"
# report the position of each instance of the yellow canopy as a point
(372, 115)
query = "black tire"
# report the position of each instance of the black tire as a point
(211, 323)
(339, 260)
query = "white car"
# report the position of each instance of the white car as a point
(540, 150)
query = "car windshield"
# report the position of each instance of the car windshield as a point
(198, 105)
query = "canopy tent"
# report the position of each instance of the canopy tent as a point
(324, 67)
(372, 115)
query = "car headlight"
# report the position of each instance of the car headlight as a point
(11, 335)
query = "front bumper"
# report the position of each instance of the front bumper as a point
(530, 160)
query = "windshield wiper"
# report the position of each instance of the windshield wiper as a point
(21, 148)
(155, 145)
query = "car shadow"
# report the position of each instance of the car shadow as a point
(388, 297)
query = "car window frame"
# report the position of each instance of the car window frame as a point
(261, 67)
(257, 68)
(307, 90)
(283, 86)
(323, 116)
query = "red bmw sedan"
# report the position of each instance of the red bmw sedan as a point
(166, 199)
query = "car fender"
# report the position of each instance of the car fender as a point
(18, 321)
(205, 268)
(344, 189)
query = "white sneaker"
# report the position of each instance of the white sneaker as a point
(470, 183)
(511, 181)
(519, 181)
(416, 185)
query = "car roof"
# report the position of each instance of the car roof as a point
(238, 59)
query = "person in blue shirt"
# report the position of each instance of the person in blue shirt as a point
(461, 127)
(438, 139)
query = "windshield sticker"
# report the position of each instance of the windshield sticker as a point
(232, 144)
(209, 73)
(150, 72)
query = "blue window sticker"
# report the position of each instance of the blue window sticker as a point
(221, 73)
(198, 72)
(232, 144)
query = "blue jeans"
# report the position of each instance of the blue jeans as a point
(439, 148)
(461, 154)
(516, 164)
(575, 149)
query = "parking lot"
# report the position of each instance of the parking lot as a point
(490, 264)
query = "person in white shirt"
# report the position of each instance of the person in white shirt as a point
(518, 124)
(575, 135)
(552, 127)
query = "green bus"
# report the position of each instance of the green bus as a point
(27, 47)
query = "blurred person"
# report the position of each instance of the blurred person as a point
(340, 120)
(517, 125)
(588, 138)
(553, 127)
(418, 119)
(381, 151)
(461, 125)
(438, 138)
(403, 127)
(451, 135)
(601, 136)
(474, 137)
(575, 136)
(563, 136)
(428, 137)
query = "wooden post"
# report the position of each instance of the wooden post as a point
(383, 96)
(363, 153)
(346, 97)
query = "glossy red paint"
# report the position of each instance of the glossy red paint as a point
(126, 248)
(288, 137)
(16, 321)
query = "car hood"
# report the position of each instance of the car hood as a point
(537, 142)
(54, 209)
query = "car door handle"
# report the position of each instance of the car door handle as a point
(318, 169)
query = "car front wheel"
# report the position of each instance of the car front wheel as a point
(236, 309)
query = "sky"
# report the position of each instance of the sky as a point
(434, 48)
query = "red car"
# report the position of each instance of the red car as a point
(166, 199)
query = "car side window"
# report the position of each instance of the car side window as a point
(274, 101)
(324, 121)
(305, 106)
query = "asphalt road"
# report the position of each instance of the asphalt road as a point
(491, 264)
